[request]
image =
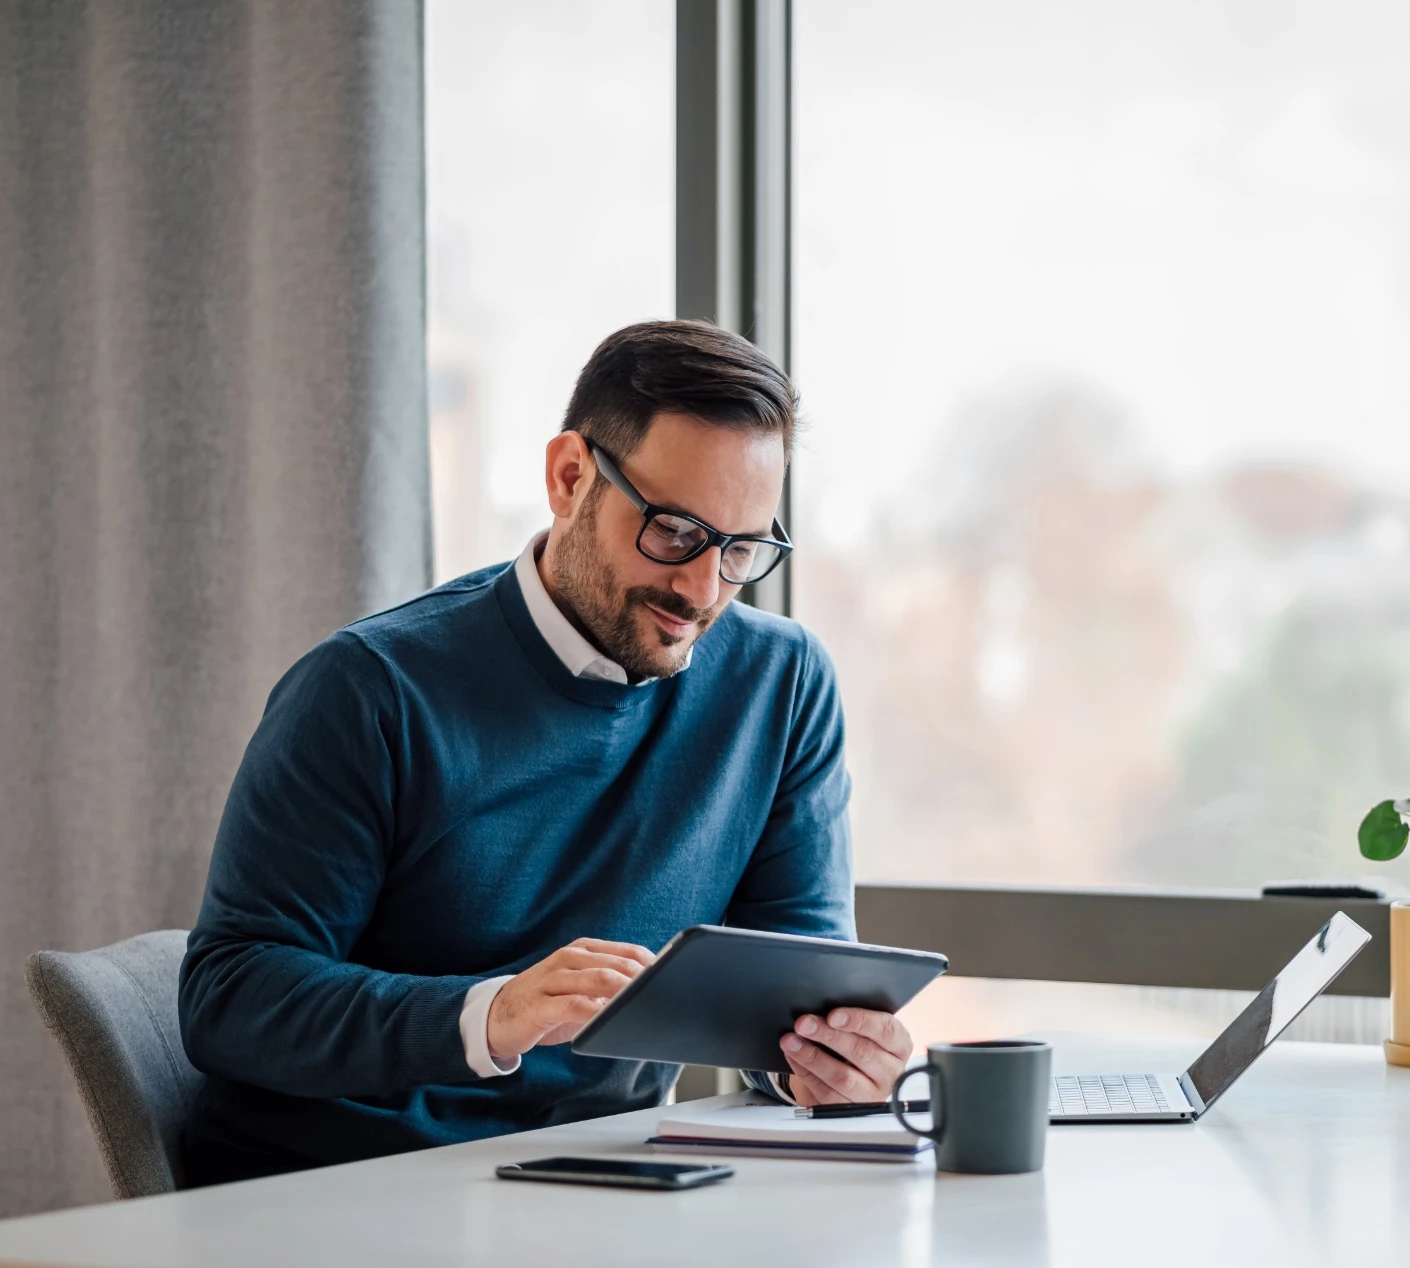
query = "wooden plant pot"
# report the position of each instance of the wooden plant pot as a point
(1398, 1045)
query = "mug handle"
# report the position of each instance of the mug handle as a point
(937, 1112)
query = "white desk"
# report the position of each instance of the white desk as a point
(1306, 1161)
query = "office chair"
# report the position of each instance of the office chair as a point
(113, 1012)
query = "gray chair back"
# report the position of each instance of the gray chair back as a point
(113, 1012)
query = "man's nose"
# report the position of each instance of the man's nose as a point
(698, 582)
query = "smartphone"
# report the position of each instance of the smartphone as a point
(615, 1171)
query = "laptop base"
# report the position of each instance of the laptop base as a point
(1118, 1098)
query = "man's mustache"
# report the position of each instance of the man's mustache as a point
(670, 603)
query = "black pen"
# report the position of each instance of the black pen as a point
(860, 1109)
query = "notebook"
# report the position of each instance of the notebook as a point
(771, 1130)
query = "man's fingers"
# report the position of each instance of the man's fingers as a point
(627, 950)
(867, 1055)
(554, 999)
(601, 983)
(808, 1089)
(582, 958)
(836, 1073)
(883, 1029)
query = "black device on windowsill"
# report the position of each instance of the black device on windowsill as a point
(1322, 889)
(619, 1172)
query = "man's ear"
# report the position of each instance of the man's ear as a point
(568, 473)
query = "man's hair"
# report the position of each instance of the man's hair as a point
(678, 367)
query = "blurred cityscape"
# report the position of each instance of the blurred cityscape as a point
(1061, 669)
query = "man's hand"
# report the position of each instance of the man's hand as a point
(873, 1047)
(549, 1002)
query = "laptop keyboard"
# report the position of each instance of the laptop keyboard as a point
(1074, 1094)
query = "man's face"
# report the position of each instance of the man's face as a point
(646, 615)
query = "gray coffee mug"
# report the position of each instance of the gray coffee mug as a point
(989, 1105)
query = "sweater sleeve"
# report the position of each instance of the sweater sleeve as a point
(799, 878)
(268, 995)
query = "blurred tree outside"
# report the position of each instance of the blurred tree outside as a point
(1281, 763)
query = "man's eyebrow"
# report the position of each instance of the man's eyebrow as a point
(672, 508)
(676, 510)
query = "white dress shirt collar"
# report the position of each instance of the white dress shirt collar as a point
(580, 657)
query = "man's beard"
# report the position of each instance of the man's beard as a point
(588, 585)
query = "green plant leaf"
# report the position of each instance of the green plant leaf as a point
(1383, 832)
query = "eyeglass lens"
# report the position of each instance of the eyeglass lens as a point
(670, 539)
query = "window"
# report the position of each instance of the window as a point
(1102, 318)
(550, 150)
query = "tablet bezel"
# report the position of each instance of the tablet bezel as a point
(901, 974)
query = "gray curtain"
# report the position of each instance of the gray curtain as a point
(212, 446)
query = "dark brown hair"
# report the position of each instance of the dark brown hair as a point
(678, 367)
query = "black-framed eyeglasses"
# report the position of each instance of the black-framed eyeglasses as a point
(672, 537)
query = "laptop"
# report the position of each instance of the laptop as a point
(1153, 1098)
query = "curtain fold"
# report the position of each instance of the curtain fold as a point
(212, 446)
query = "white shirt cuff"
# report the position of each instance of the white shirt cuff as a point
(474, 1028)
(776, 1082)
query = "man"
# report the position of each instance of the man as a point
(465, 824)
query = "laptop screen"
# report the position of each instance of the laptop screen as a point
(1307, 974)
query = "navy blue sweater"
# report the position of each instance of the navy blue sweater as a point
(432, 799)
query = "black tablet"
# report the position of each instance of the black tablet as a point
(727, 996)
